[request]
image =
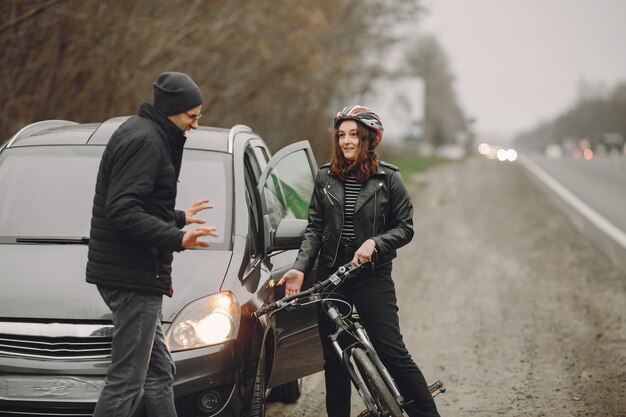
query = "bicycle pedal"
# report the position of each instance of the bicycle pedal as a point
(435, 385)
(436, 388)
(364, 413)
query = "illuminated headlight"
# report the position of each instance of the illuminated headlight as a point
(208, 321)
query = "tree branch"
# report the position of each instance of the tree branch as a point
(27, 15)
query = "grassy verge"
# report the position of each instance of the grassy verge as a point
(416, 164)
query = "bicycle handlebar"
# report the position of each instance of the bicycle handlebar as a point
(335, 279)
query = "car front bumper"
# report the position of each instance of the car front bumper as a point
(205, 384)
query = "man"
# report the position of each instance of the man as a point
(134, 230)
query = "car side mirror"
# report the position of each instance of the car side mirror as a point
(289, 234)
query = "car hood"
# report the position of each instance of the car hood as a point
(48, 282)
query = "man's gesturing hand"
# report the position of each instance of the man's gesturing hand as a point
(191, 211)
(190, 239)
(294, 279)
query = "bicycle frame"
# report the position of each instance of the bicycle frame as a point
(348, 327)
(353, 328)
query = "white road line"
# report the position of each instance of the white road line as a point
(590, 214)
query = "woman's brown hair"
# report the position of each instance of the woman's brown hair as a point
(366, 161)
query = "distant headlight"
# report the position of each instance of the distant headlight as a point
(208, 321)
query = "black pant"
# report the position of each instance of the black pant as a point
(373, 294)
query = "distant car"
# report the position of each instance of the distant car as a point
(554, 151)
(453, 152)
(55, 331)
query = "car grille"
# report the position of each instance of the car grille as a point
(55, 341)
(56, 347)
(28, 410)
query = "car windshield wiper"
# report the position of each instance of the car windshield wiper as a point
(54, 240)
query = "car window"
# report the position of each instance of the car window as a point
(252, 164)
(47, 191)
(253, 228)
(261, 155)
(206, 174)
(252, 178)
(289, 188)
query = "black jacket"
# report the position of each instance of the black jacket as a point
(134, 226)
(383, 212)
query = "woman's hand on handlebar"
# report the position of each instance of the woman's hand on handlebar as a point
(293, 281)
(364, 253)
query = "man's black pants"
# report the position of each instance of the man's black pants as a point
(373, 294)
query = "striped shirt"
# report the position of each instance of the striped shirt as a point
(351, 191)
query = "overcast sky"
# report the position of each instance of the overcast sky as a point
(520, 61)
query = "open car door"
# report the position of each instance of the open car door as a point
(285, 189)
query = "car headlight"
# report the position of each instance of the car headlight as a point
(208, 321)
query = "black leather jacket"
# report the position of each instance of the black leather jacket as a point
(383, 212)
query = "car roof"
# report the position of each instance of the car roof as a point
(63, 132)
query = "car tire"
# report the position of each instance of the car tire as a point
(288, 393)
(257, 407)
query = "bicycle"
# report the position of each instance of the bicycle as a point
(373, 382)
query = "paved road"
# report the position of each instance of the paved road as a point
(600, 183)
(503, 299)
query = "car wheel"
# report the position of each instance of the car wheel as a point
(287, 393)
(257, 408)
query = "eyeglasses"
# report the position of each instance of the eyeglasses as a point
(194, 116)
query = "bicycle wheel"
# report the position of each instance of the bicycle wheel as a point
(383, 398)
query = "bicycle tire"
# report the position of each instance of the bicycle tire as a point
(376, 385)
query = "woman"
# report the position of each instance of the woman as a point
(361, 212)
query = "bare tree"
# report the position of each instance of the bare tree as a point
(592, 117)
(275, 65)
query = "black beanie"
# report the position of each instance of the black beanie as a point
(175, 93)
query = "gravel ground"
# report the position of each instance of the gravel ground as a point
(504, 300)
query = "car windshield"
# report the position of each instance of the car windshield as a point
(47, 191)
